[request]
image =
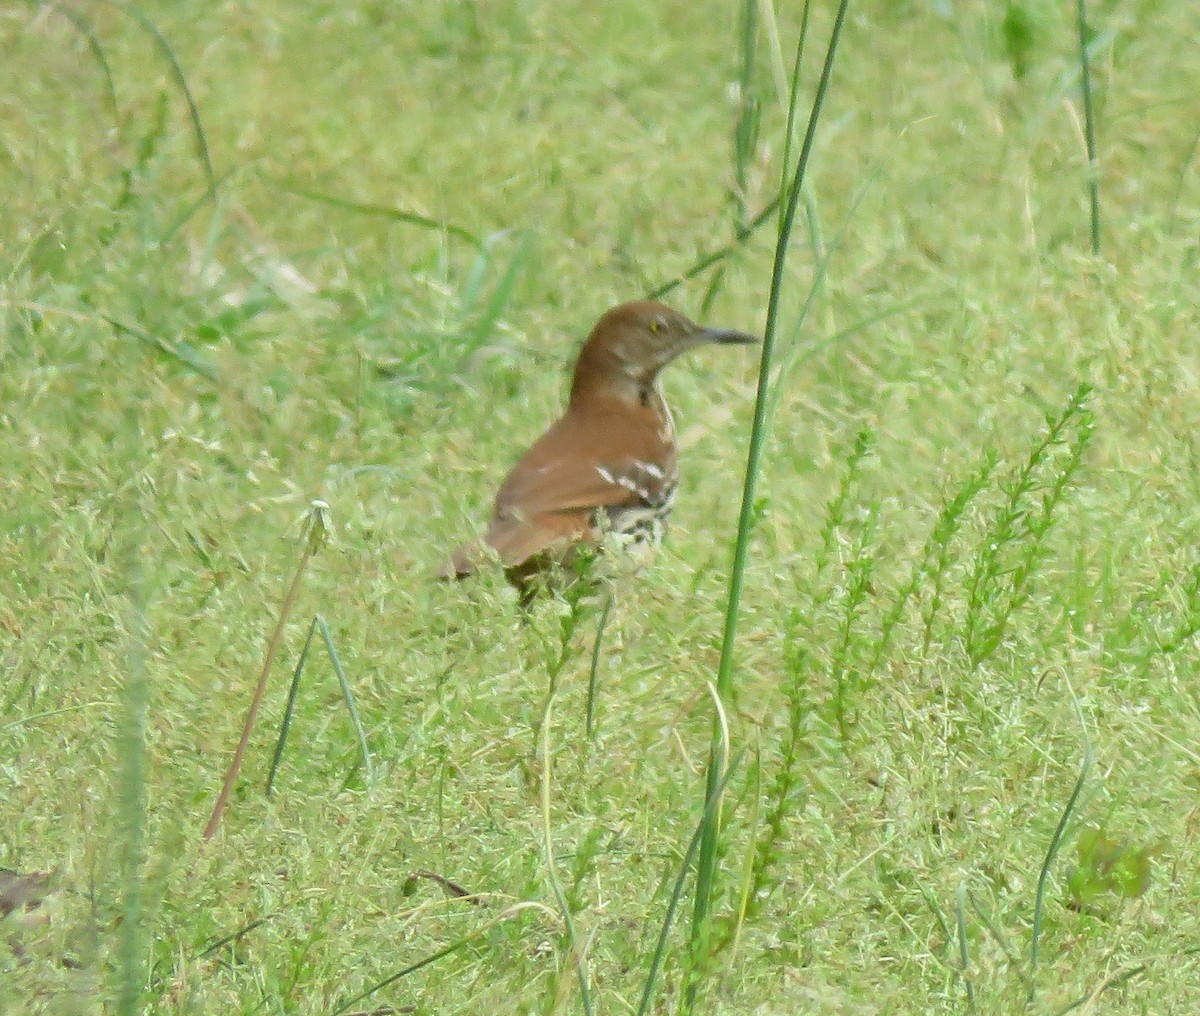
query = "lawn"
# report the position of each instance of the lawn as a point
(267, 254)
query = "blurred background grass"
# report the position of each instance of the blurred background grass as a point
(185, 363)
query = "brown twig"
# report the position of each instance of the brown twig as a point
(318, 527)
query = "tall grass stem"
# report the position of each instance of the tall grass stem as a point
(706, 868)
(594, 670)
(133, 809)
(1089, 124)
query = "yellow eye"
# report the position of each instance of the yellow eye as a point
(656, 326)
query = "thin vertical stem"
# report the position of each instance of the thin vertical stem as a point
(716, 764)
(317, 521)
(235, 767)
(793, 95)
(132, 793)
(594, 674)
(1089, 125)
(290, 708)
(133, 808)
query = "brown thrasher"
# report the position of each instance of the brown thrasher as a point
(608, 465)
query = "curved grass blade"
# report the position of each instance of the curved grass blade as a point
(1181, 176)
(964, 952)
(386, 212)
(1113, 982)
(186, 214)
(84, 28)
(479, 332)
(182, 353)
(1055, 843)
(434, 957)
(164, 47)
(706, 261)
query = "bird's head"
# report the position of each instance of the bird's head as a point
(632, 343)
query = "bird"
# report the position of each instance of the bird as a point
(606, 470)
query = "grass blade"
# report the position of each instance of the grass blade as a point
(1089, 123)
(998, 936)
(482, 328)
(164, 47)
(386, 212)
(84, 28)
(708, 845)
(1181, 177)
(789, 131)
(449, 950)
(133, 804)
(181, 353)
(677, 893)
(703, 263)
(1055, 843)
(1115, 981)
(593, 674)
(289, 709)
(564, 906)
(347, 697)
(964, 954)
(745, 128)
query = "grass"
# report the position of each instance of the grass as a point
(966, 652)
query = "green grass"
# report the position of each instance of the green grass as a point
(973, 568)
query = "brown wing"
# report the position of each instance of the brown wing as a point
(517, 539)
(515, 543)
(578, 466)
